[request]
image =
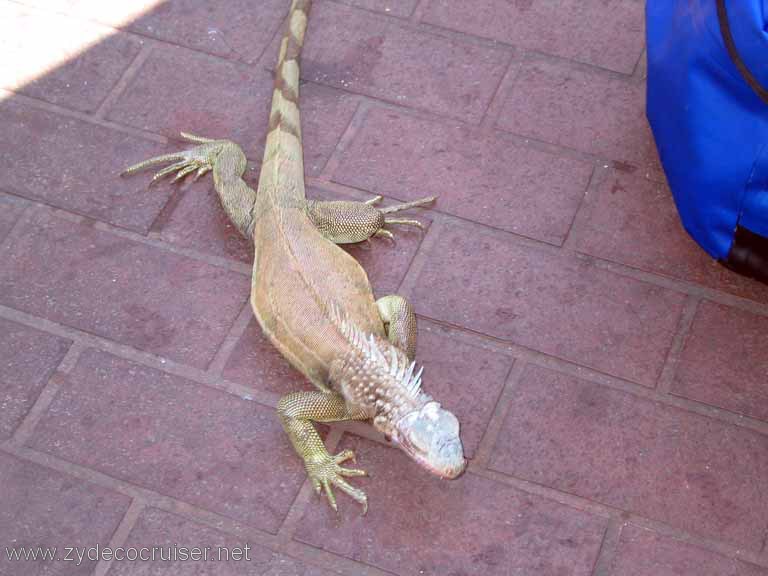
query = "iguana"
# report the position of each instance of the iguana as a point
(314, 301)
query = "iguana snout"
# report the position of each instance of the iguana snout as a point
(430, 436)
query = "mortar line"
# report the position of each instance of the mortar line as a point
(669, 369)
(409, 24)
(428, 29)
(120, 535)
(269, 399)
(274, 38)
(295, 549)
(608, 547)
(445, 32)
(504, 87)
(348, 4)
(667, 282)
(138, 35)
(409, 264)
(124, 81)
(82, 116)
(296, 512)
(715, 546)
(682, 286)
(496, 421)
(345, 140)
(423, 113)
(640, 71)
(230, 264)
(217, 261)
(419, 260)
(594, 376)
(596, 179)
(38, 409)
(619, 515)
(24, 219)
(521, 139)
(221, 357)
(331, 561)
(148, 359)
(418, 11)
(145, 496)
(617, 268)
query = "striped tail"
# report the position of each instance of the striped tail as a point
(282, 169)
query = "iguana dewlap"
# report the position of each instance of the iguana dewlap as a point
(314, 301)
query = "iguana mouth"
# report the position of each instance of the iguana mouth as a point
(453, 468)
(430, 437)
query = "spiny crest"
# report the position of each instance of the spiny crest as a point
(396, 365)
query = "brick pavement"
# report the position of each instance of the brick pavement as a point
(610, 379)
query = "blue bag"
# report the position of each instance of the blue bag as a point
(708, 109)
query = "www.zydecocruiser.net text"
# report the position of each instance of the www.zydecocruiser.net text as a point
(80, 554)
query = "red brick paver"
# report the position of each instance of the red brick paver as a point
(488, 178)
(373, 55)
(547, 301)
(610, 378)
(43, 507)
(473, 526)
(73, 164)
(218, 452)
(644, 553)
(581, 108)
(632, 220)
(29, 358)
(586, 30)
(78, 79)
(724, 361)
(158, 528)
(631, 453)
(120, 289)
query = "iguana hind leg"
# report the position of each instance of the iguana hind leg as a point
(400, 322)
(297, 412)
(347, 222)
(228, 163)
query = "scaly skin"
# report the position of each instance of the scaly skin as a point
(315, 302)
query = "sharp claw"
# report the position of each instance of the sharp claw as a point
(196, 139)
(381, 233)
(325, 474)
(169, 170)
(354, 493)
(374, 200)
(183, 172)
(406, 222)
(175, 156)
(200, 171)
(352, 472)
(407, 205)
(344, 456)
(329, 494)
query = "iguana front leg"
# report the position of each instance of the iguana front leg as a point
(297, 412)
(228, 163)
(347, 222)
(400, 322)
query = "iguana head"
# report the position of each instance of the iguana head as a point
(379, 378)
(430, 435)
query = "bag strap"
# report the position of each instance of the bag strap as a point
(725, 30)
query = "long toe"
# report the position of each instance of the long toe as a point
(175, 156)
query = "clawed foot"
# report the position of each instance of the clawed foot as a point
(198, 159)
(383, 233)
(324, 472)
